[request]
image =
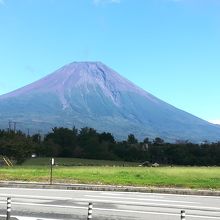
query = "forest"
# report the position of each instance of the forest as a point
(88, 143)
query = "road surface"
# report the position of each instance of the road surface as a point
(50, 204)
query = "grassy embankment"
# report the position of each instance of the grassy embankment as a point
(187, 177)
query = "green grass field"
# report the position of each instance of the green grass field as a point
(76, 162)
(185, 177)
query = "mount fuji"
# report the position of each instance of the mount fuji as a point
(91, 94)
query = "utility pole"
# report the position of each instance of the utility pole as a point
(15, 123)
(9, 125)
(51, 170)
(39, 136)
(12, 124)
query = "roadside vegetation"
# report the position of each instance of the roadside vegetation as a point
(181, 164)
(184, 177)
(88, 143)
(44, 161)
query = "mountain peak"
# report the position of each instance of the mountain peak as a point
(78, 75)
(94, 95)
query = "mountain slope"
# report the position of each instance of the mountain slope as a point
(91, 94)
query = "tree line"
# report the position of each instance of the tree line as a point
(88, 143)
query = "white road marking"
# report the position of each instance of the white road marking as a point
(29, 218)
(156, 213)
(47, 205)
(140, 199)
(201, 208)
(45, 189)
(158, 204)
(148, 195)
(122, 210)
(34, 197)
(62, 190)
(32, 218)
(160, 194)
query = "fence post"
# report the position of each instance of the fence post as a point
(183, 215)
(90, 211)
(8, 208)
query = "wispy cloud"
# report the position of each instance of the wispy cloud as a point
(215, 121)
(98, 2)
(2, 2)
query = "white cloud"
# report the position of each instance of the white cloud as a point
(98, 2)
(215, 121)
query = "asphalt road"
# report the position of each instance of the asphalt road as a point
(50, 204)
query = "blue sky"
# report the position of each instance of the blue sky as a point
(170, 48)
